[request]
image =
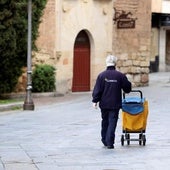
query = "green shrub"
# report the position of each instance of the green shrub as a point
(43, 78)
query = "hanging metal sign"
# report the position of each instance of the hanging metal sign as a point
(126, 24)
(124, 19)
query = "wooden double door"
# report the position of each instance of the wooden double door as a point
(81, 63)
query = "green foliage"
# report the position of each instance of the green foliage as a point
(43, 78)
(13, 38)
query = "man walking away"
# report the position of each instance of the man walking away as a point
(108, 92)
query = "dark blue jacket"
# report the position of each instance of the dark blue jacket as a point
(108, 88)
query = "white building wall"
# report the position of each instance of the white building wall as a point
(166, 6)
(96, 18)
(161, 6)
(156, 6)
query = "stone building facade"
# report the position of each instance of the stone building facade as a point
(160, 37)
(62, 22)
(76, 35)
(132, 43)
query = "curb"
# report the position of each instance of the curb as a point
(19, 105)
(12, 106)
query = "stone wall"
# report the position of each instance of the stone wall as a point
(22, 82)
(62, 22)
(132, 45)
(47, 36)
(45, 44)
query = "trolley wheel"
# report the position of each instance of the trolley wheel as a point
(140, 139)
(122, 140)
(128, 139)
(144, 140)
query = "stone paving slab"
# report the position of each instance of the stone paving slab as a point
(65, 135)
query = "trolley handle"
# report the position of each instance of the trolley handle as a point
(134, 91)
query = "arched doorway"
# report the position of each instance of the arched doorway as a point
(81, 63)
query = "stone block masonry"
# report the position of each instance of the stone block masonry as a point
(132, 44)
(126, 33)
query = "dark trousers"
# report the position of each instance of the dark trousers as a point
(108, 125)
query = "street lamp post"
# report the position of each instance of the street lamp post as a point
(28, 103)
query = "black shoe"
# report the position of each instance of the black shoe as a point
(110, 147)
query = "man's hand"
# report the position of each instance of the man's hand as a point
(95, 105)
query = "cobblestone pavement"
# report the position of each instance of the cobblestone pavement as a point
(63, 133)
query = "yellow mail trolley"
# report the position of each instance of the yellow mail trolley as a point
(134, 117)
